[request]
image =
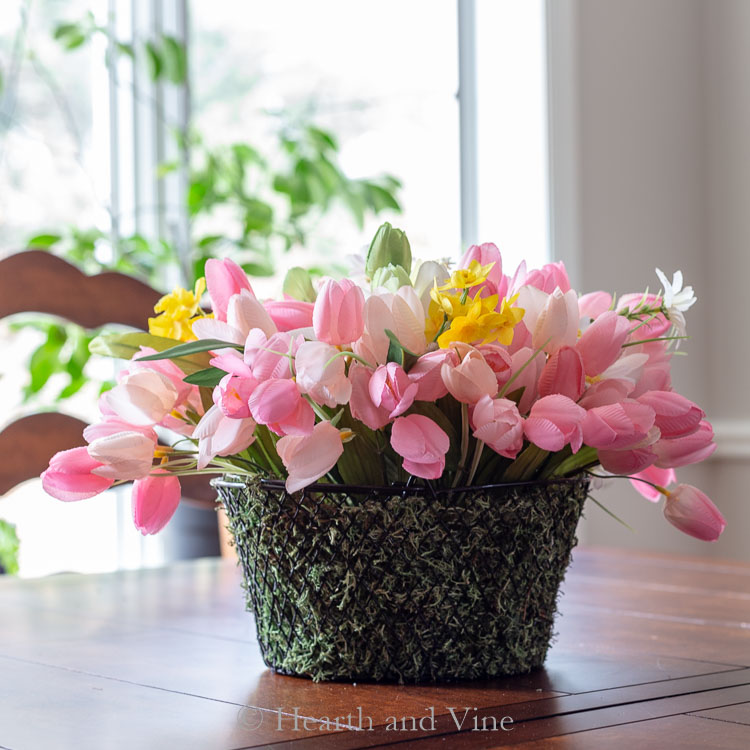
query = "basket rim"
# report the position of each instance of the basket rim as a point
(279, 485)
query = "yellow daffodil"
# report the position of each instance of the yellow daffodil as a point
(465, 278)
(482, 322)
(177, 313)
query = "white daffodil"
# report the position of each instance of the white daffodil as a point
(676, 300)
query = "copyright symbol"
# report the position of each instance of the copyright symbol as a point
(250, 718)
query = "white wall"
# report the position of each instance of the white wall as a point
(657, 116)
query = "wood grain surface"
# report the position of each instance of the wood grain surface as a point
(652, 651)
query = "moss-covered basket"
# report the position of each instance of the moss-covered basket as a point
(403, 583)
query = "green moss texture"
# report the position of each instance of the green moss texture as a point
(400, 584)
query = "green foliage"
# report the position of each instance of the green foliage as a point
(8, 547)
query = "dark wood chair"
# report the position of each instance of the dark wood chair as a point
(37, 281)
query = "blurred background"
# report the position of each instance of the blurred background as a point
(145, 136)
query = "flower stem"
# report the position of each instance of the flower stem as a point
(464, 444)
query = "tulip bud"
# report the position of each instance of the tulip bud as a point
(391, 277)
(693, 513)
(389, 246)
(298, 285)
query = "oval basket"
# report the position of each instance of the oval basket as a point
(402, 583)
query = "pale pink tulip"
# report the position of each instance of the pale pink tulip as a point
(167, 368)
(422, 445)
(552, 319)
(70, 476)
(686, 450)
(654, 475)
(693, 513)
(656, 373)
(337, 315)
(601, 343)
(594, 304)
(143, 397)
(549, 277)
(391, 389)
(618, 426)
(224, 279)
(232, 395)
(676, 416)
(563, 373)
(629, 461)
(497, 423)
(321, 373)
(529, 369)
(311, 457)
(278, 404)
(361, 404)
(290, 314)
(218, 435)
(154, 501)
(111, 425)
(244, 312)
(471, 378)
(426, 374)
(554, 422)
(123, 455)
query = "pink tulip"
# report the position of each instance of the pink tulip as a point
(112, 425)
(675, 415)
(321, 373)
(563, 374)
(498, 423)
(629, 461)
(123, 455)
(527, 378)
(224, 279)
(471, 378)
(499, 360)
(271, 358)
(617, 426)
(422, 444)
(553, 422)
(690, 449)
(426, 374)
(549, 277)
(594, 304)
(693, 513)
(232, 395)
(278, 404)
(486, 253)
(231, 361)
(337, 315)
(310, 457)
(391, 389)
(361, 404)
(654, 475)
(155, 499)
(218, 435)
(290, 314)
(70, 476)
(656, 374)
(605, 392)
(601, 343)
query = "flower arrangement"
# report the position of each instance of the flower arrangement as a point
(458, 377)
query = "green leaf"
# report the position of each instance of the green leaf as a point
(125, 49)
(174, 59)
(43, 241)
(298, 284)
(125, 345)
(8, 547)
(209, 377)
(262, 270)
(155, 62)
(166, 167)
(360, 462)
(190, 348)
(394, 340)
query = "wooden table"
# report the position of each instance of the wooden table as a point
(653, 652)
